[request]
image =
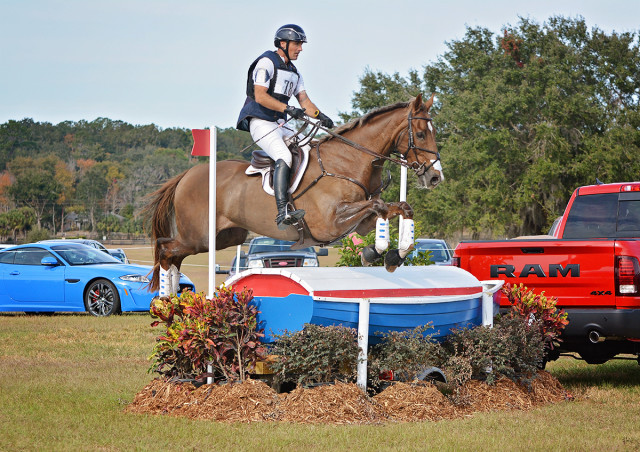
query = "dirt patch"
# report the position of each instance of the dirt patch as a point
(341, 403)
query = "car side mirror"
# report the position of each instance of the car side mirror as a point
(323, 252)
(243, 254)
(49, 261)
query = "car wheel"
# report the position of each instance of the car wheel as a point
(101, 298)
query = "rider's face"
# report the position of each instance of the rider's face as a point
(295, 47)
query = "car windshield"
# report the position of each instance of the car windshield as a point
(76, 254)
(269, 245)
(438, 250)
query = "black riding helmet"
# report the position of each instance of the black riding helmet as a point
(287, 33)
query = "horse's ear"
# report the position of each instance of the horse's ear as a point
(429, 103)
(417, 103)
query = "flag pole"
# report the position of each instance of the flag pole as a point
(212, 211)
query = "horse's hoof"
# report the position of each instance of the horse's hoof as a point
(369, 255)
(393, 260)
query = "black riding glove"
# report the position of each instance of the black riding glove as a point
(297, 113)
(325, 120)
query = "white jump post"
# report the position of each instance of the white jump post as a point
(212, 212)
(403, 196)
(212, 223)
(363, 342)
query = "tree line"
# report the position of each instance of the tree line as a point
(91, 176)
(523, 115)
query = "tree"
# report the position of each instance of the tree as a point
(523, 118)
(35, 185)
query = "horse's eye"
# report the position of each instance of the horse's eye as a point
(420, 135)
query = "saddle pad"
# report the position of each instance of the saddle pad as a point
(264, 172)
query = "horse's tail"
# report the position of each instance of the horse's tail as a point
(159, 217)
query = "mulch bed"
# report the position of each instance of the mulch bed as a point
(342, 403)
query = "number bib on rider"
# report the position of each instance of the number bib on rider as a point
(286, 83)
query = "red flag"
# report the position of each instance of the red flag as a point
(201, 142)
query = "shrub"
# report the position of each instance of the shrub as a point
(527, 305)
(352, 245)
(405, 353)
(222, 332)
(35, 235)
(517, 345)
(512, 348)
(316, 354)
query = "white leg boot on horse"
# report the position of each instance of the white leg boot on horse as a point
(169, 281)
(165, 283)
(372, 253)
(395, 258)
(285, 216)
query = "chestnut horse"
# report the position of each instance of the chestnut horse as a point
(340, 191)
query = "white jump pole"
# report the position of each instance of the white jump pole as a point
(363, 342)
(212, 223)
(212, 212)
(403, 195)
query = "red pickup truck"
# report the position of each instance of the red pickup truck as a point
(590, 262)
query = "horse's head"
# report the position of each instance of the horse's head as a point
(417, 144)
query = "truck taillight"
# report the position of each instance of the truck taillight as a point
(627, 275)
(455, 261)
(630, 187)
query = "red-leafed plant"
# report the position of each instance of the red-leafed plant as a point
(222, 332)
(530, 306)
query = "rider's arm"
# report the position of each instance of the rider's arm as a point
(309, 107)
(266, 100)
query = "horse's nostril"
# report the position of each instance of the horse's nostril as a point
(435, 180)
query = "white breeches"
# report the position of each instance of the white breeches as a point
(271, 136)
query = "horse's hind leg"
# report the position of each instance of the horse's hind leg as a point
(383, 213)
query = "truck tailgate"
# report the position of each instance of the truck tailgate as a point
(578, 272)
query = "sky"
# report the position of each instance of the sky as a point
(184, 63)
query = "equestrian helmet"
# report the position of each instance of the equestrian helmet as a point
(289, 32)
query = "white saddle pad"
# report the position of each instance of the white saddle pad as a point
(264, 172)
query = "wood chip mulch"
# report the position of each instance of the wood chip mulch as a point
(341, 403)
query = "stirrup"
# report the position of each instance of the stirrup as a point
(288, 217)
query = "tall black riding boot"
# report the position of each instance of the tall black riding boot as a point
(280, 185)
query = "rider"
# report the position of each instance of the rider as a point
(271, 81)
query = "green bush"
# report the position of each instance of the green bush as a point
(512, 348)
(404, 353)
(352, 245)
(516, 347)
(221, 332)
(35, 235)
(316, 354)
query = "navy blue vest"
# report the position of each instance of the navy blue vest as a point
(279, 88)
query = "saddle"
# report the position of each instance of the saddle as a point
(262, 164)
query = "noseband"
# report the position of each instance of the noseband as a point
(418, 168)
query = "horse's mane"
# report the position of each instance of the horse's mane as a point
(362, 120)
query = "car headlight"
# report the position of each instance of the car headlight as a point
(255, 263)
(310, 262)
(135, 278)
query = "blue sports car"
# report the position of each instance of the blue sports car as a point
(59, 276)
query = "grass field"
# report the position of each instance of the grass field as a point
(65, 380)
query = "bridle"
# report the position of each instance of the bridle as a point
(418, 168)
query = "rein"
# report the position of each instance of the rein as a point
(419, 169)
